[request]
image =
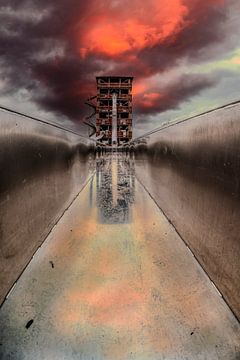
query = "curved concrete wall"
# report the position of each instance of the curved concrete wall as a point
(194, 175)
(42, 170)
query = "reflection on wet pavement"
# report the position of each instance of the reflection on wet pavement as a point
(115, 189)
(114, 281)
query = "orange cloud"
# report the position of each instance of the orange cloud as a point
(150, 99)
(139, 88)
(236, 60)
(114, 33)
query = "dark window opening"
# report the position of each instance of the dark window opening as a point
(103, 115)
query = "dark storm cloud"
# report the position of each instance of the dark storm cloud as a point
(171, 96)
(36, 53)
(39, 51)
(69, 83)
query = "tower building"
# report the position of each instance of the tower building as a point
(114, 109)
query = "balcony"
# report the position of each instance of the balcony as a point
(100, 122)
(124, 134)
(104, 108)
(124, 109)
(114, 86)
(124, 122)
(120, 97)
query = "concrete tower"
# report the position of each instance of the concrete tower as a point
(114, 109)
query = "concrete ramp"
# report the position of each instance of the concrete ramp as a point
(114, 281)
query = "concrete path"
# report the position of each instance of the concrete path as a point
(114, 281)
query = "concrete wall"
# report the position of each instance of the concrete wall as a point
(42, 170)
(192, 170)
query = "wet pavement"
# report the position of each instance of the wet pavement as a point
(115, 281)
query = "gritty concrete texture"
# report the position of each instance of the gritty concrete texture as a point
(193, 172)
(114, 281)
(42, 170)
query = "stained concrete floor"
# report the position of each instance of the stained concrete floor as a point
(114, 281)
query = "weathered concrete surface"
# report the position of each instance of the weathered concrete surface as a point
(42, 170)
(114, 281)
(193, 172)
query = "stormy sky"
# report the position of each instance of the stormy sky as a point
(184, 56)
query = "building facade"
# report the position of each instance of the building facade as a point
(114, 109)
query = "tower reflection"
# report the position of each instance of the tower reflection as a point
(115, 178)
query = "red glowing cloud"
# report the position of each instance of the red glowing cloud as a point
(129, 27)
